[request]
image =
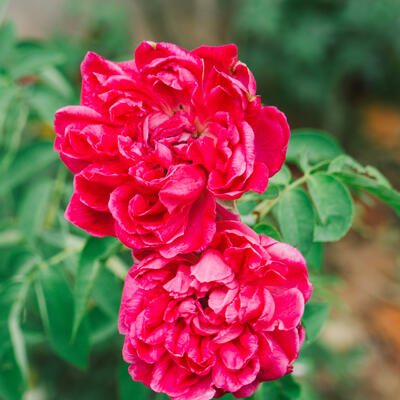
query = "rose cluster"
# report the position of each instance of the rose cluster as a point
(158, 139)
(157, 145)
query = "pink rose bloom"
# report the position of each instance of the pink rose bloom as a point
(198, 326)
(157, 139)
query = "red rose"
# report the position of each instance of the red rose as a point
(157, 139)
(197, 326)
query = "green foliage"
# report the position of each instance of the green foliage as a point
(313, 146)
(365, 178)
(129, 389)
(333, 206)
(323, 212)
(285, 388)
(268, 230)
(95, 250)
(315, 315)
(295, 217)
(28, 162)
(56, 304)
(315, 256)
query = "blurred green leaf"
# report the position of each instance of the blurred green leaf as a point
(56, 308)
(33, 208)
(102, 327)
(333, 205)
(14, 124)
(128, 388)
(31, 60)
(268, 230)
(12, 384)
(315, 315)
(94, 250)
(13, 352)
(289, 387)
(16, 335)
(295, 216)
(268, 391)
(44, 101)
(7, 94)
(245, 206)
(27, 163)
(272, 192)
(285, 388)
(54, 79)
(107, 293)
(315, 256)
(7, 40)
(313, 144)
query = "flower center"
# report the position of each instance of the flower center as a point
(204, 302)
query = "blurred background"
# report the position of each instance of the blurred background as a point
(328, 64)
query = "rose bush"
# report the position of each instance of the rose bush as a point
(157, 139)
(197, 326)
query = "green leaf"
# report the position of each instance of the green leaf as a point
(312, 145)
(289, 387)
(315, 256)
(268, 230)
(107, 293)
(53, 78)
(29, 162)
(44, 101)
(282, 177)
(14, 326)
(14, 124)
(285, 388)
(128, 388)
(56, 308)
(272, 192)
(33, 208)
(13, 353)
(333, 205)
(102, 327)
(94, 250)
(267, 391)
(315, 315)
(377, 176)
(7, 40)
(7, 94)
(12, 383)
(345, 163)
(366, 178)
(388, 195)
(245, 206)
(32, 59)
(295, 216)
